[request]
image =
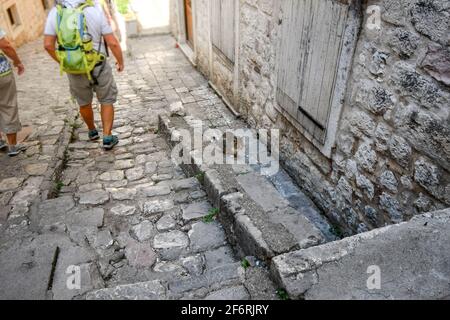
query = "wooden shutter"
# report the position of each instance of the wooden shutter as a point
(223, 27)
(308, 57)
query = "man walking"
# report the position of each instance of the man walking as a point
(92, 73)
(9, 112)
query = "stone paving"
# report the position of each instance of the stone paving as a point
(128, 221)
(46, 112)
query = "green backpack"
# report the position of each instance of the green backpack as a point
(75, 48)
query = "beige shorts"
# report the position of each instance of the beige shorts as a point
(83, 89)
(9, 111)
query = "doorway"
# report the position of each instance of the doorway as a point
(189, 23)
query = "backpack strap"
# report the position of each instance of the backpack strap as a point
(59, 9)
(87, 3)
(82, 27)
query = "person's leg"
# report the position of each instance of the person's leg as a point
(107, 96)
(12, 139)
(9, 114)
(107, 113)
(88, 116)
(14, 147)
(81, 89)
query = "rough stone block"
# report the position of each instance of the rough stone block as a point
(196, 210)
(152, 290)
(97, 197)
(143, 231)
(260, 190)
(169, 240)
(88, 218)
(140, 255)
(402, 255)
(228, 274)
(123, 210)
(78, 257)
(157, 206)
(206, 236)
(233, 293)
(10, 184)
(218, 257)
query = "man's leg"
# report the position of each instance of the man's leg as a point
(88, 116)
(109, 141)
(107, 113)
(81, 89)
(107, 95)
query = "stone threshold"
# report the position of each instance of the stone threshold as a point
(406, 261)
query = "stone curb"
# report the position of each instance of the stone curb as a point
(251, 229)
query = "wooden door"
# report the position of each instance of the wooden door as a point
(189, 22)
(223, 27)
(309, 53)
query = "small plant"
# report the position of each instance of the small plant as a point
(73, 138)
(211, 215)
(335, 230)
(200, 177)
(58, 186)
(75, 125)
(245, 264)
(282, 294)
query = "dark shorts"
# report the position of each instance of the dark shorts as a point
(83, 89)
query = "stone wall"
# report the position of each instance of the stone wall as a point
(392, 151)
(202, 20)
(173, 18)
(32, 16)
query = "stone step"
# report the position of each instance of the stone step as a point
(258, 219)
(152, 290)
(36, 268)
(211, 283)
(411, 261)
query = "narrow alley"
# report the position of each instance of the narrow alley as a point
(67, 203)
(268, 150)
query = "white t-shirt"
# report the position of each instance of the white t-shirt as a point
(96, 22)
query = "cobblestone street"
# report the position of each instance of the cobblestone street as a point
(129, 219)
(268, 150)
